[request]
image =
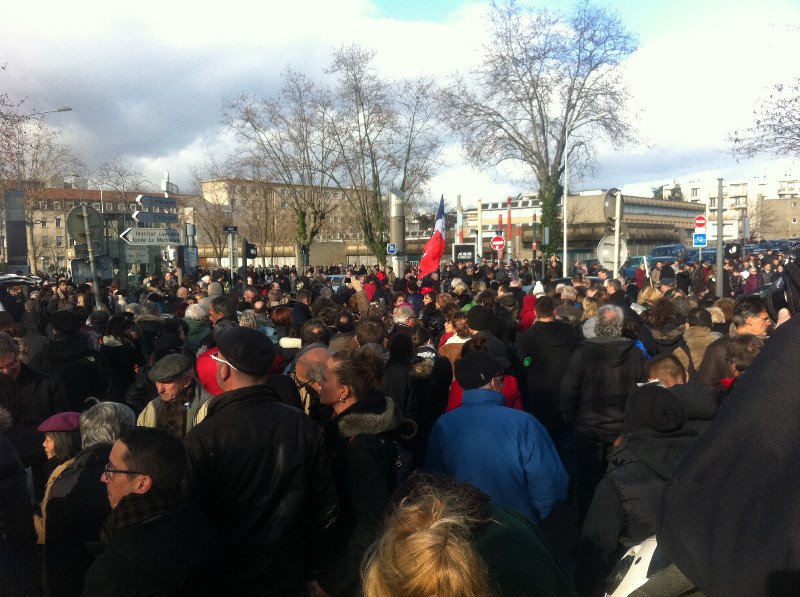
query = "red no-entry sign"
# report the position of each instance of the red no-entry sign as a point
(498, 243)
(700, 222)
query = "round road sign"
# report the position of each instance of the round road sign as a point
(700, 222)
(498, 243)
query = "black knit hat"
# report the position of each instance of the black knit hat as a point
(476, 369)
(66, 322)
(247, 350)
(479, 318)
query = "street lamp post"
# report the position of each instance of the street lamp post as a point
(569, 130)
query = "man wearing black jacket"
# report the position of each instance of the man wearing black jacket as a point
(602, 373)
(544, 350)
(259, 471)
(153, 542)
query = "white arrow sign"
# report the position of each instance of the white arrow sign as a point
(151, 236)
(151, 216)
(156, 201)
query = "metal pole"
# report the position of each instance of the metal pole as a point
(720, 233)
(510, 247)
(479, 241)
(397, 229)
(90, 249)
(231, 250)
(564, 202)
(617, 210)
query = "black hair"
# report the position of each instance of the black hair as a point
(157, 454)
(315, 330)
(699, 317)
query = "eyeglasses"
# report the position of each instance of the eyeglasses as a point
(304, 385)
(221, 360)
(109, 471)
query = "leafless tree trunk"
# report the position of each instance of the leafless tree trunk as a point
(286, 140)
(33, 160)
(387, 135)
(545, 78)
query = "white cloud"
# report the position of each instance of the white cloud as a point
(148, 79)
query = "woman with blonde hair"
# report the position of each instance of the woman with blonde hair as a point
(648, 296)
(445, 539)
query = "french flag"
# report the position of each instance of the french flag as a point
(434, 248)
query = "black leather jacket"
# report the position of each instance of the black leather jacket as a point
(259, 470)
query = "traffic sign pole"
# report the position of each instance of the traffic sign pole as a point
(92, 267)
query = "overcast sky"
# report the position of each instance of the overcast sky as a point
(146, 80)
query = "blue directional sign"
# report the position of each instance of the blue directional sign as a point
(699, 239)
(151, 216)
(156, 201)
(391, 249)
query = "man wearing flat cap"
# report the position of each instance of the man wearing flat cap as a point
(181, 403)
(259, 471)
(504, 452)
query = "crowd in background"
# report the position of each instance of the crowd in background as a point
(258, 435)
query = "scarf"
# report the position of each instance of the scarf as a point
(137, 508)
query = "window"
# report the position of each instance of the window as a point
(794, 220)
(56, 204)
(59, 241)
(97, 206)
(713, 202)
(42, 204)
(794, 204)
(132, 207)
(120, 207)
(58, 222)
(44, 223)
(694, 192)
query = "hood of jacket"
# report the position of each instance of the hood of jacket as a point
(65, 349)
(422, 365)
(371, 415)
(528, 304)
(555, 333)
(668, 337)
(660, 452)
(613, 350)
(699, 402)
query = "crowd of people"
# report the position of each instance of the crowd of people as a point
(392, 435)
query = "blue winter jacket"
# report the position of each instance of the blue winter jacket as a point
(504, 452)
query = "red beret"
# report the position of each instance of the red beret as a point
(67, 421)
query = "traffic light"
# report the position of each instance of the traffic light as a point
(250, 250)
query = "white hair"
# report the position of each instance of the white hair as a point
(195, 311)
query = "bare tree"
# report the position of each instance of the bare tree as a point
(287, 140)
(34, 160)
(215, 204)
(118, 175)
(545, 79)
(387, 136)
(776, 125)
(763, 218)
